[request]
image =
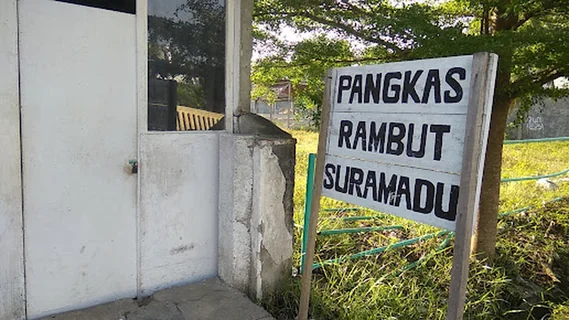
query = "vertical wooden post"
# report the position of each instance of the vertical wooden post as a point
(477, 121)
(315, 205)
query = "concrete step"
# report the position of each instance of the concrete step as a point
(207, 300)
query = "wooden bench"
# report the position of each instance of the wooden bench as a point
(195, 119)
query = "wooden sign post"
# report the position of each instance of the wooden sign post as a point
(483, 77)
(409, 139)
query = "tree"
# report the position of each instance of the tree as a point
(186, 43)
(297, 64)
(530, 37)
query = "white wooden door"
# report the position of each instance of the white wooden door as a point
(78, 100)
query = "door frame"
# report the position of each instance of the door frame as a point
(12, 290)
(235, 66)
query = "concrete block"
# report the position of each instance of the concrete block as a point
(272, 215)
(255, 213)
(235, 198)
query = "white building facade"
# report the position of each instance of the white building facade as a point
(96, 202)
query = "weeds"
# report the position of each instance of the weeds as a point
(529, 279)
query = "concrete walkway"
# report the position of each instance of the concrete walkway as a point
(207, 300)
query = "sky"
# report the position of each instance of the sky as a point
(286, 34)
(291, 36)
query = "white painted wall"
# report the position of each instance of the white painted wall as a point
(235, 209)
(83, 76)
(179, 175)
(78, 85)
(11, 246)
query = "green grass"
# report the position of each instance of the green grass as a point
(529, 279)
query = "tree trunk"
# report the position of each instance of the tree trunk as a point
(484, 240)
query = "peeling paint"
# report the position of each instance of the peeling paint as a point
(257, 260)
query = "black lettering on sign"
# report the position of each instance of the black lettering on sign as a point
(371, 183)
(450, 213)
(338, 187)
(420, 195)
(329, 170)
(395, 138)
(345, 85)
(395, 88)
(416, 153)
(385, 192)
(428, 198)
(126, 6)
(409, 86)
(356, 180)
(371, 88)
(346, 127)
(356, 88)
(433, 82)
(377, 137)
(439, 130)
(360, 135)
(454, 84)
(403, 190)
(401, 87)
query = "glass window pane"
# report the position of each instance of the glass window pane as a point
(186, 64)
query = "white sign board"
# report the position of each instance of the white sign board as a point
(396, 136)
(408, 139)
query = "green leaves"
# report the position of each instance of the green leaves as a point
(305, 65)
(530, 36)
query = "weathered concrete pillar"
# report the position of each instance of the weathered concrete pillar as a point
(272, 215)
(256, 211)
(255, 243)
(235, 209)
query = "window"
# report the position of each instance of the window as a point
(186, 64)
(127, 6)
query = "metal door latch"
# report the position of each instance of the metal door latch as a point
(133, 165)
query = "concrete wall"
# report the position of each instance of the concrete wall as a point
(546, 120)
(208, 203)
(178, 208)
(11, 234)
(255, 212)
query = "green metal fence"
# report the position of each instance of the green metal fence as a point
(403, 243)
